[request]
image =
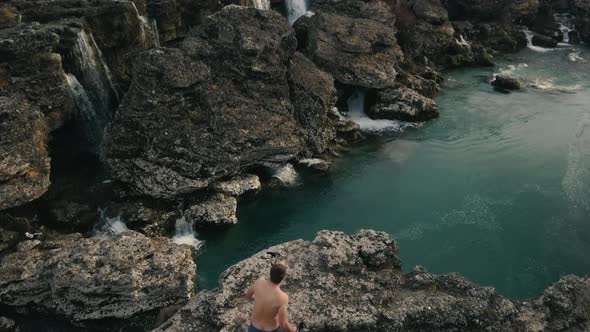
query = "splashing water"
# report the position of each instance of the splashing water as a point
(90, 120)
(295, 9)
(356, 112)
(185, 234)
(461, 41)
(109, 226)
(529, 43)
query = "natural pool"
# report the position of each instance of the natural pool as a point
(497, 189)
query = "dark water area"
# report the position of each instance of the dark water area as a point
(497, 188)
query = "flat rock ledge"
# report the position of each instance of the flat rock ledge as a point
(86, 279)
(339, 282)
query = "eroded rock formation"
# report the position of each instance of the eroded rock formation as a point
(354, 283)
(86, 279)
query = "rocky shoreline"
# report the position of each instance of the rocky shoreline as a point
(158, 111)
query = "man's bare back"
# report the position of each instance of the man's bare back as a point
(270, 307)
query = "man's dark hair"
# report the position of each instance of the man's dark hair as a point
(277, 273)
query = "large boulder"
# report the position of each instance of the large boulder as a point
(353, 40)
(24, 166)
(506, 83)
(87, 279)
(227, 100)
(404, 104)
(354, 283)
(312, 95)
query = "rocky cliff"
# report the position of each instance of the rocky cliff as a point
(341, 283)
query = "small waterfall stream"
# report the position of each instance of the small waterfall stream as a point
(109, 226)
(295, 9)
(356, 113)
(155, 34)
(144, 26)
(261, 4)
(92, 86)
(185, 234)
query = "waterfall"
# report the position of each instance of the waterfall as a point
(156, 34)
(461, 41)
(89, 120)
(144, 26)
(295, 9)
(565, 26)
(356, 113)
(92, 86)
(261, 4)
(185, 233)
(529, 43)
(108, 226)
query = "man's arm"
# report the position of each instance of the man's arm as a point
(284, 319)
(249, 294)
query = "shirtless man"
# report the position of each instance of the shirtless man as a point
(270, 303)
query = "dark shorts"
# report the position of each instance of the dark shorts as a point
(253, 328)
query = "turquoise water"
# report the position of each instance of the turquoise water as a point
(497, 189)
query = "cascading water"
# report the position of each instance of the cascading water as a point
(144, 26)
(461, 41)
(185, 234)
(109, 226)
(356, 112)
(91, 84)
(155, 34)
(565, 26)
(529, 43)
(295, 9)
(262, 4)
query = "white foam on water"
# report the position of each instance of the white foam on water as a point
(185, 234)
(287, 174)
(295, 9)
(109, 226)
(549, 86)
(510, 70)
(262, 4)
(574, 182)
(529, 41)
(575, 57)
(356, 113)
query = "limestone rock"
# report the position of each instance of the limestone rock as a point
(354, 283)
(24, 166)
(402, 104)
(232, 97)
(352, 40)
(239, 185)
(215, 210)
(312, 94)
(86, 279)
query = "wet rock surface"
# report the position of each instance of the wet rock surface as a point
(86, 279)
(544, 41)
(403, 104)
(339, 282)
(506, 83)
(7, 324)
(215, 210)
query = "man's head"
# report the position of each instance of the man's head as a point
(278, 272)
